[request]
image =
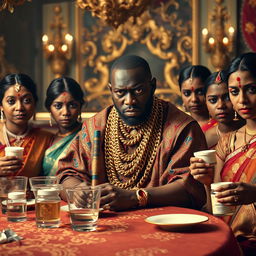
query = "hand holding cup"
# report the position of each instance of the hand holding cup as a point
(202, 166)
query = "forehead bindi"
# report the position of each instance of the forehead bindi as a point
(64, 97)
(192, 84)
(240, 78)
(12, 92)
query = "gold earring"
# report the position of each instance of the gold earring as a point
(50, 121)
(2, 116)
(80, 118)
(235, 117)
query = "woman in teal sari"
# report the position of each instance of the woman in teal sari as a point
(64, 101)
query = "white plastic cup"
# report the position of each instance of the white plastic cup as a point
(219, 209)
(14, 151)
(209, 156)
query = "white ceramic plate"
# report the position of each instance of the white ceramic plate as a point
(30, 202)
(176, 221)
(65, 208)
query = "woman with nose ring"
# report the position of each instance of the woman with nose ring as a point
(18, 99)
(64, 101)
(236, 156)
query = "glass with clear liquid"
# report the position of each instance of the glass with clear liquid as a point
(85, 213)
(84, 219)
(16, 207)
(48, 208)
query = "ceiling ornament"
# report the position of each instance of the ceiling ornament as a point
(114, 12)
(10, 4)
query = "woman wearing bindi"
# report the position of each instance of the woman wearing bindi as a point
(236, 153)
(64, 101)
(220, 109)
(17, 105)
(192, 82)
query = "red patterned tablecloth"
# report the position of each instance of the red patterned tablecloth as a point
(123, 233)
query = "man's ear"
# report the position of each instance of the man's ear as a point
(153, 84)
(110, 87)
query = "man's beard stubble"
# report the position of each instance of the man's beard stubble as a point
(134, 121)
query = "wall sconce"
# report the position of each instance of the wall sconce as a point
(10, 4)
(58, 48)
(219, 43)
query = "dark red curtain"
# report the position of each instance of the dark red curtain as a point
(249, 23)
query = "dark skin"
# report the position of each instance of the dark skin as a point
(243, 97)
(221, 110)
(18, 108)
(194, 99)
(131, 89)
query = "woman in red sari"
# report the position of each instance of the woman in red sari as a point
(224, 118)
(17, 105)
(236, 155)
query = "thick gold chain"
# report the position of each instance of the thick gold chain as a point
(137, 166)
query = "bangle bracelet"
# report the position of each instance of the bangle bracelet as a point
(142, 196)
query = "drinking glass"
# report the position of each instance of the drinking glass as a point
(43, 182)
(84, 213)
(11, 184)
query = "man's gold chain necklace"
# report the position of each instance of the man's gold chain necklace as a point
(137, 166)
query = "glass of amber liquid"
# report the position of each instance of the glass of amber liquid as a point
(48, 208)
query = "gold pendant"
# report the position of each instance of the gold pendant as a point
(17, 87)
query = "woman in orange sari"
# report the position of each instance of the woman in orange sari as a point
(236, 156)
(17, 105)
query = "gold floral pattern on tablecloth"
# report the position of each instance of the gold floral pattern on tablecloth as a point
(110, 226)
(162, 237)
(133, 217)
(120, 234)
(28, 250)
(142, 252)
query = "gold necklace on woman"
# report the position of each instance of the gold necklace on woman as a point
(145, 138)
(246, 145)
(18, 138)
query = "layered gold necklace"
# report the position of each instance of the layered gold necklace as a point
(145, 138)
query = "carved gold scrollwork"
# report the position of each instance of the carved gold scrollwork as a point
(162, 30)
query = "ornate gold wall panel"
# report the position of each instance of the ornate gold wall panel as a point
(162, 35)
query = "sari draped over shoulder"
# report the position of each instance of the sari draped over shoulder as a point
(34, 144)
(239, 166)
(209, 125)
(54, 153)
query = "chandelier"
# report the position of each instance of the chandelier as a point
(9, 4)
(114, 12)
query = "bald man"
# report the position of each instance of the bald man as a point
(145, 146)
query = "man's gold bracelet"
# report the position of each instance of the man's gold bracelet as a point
(142, 196)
